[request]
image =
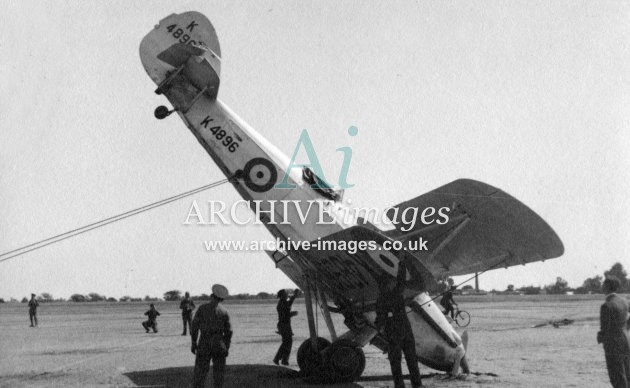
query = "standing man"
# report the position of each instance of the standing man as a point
(391, 315)
(152, 321)
(613, 334)
(284, 325)
(187, 306)
(32, 310)
(216, 335)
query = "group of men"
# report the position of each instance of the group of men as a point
(211, 333)
(186, 305)
(213, 322)
(391, 321)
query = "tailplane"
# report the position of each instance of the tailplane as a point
(183, 56)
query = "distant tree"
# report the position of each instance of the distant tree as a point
(172, 295)
(95, 297)
(148, 298)
(45, 297)
(591, 285)
(510, 288)
(240, 296)
(1, 300)
(621, 274)
(24, 300)
(264, 295)
(201, 297)
(467, 287)
(125, 298)
(530, 290)
(77, 298)
(561, 286)
(111, 299)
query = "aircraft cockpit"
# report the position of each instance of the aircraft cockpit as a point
(320, 185)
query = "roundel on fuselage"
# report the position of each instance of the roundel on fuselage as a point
(260, 175)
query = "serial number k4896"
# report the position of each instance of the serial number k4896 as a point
(225, 139)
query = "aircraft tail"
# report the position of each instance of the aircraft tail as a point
(183, 49)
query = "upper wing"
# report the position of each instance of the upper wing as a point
(487, 228)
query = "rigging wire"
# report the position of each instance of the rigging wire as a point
(86, 228)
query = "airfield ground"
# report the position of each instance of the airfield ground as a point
(103, 344)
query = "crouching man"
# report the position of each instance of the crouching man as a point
(151, 323)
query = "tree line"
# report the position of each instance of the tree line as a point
(172, 295)
(589, 286)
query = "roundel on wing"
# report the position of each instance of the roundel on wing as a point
(260, 175)
(387, 261)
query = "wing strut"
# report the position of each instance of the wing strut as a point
(326, 313)
(310, 316)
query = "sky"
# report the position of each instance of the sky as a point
(532, 97)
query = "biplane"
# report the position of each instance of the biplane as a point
(486, 229)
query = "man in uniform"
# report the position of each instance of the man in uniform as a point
(187, 306)
(284, 325)
(152, 321)
(214, 344)
(32, 310)
(391, 315)
(614, 335)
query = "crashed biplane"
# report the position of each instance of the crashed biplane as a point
(486, 227)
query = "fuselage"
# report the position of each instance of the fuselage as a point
(293, 213)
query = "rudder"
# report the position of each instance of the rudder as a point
(185, 44)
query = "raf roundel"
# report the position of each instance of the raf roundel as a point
(260, 175)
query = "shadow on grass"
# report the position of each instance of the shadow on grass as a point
(245, 376)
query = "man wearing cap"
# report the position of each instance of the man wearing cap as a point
(187, 306)
(214, 344)
(32, 310)
(614, 334)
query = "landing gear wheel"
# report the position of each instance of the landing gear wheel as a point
(345, 360)
(308, 360)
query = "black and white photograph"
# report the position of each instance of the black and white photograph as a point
(315, 194)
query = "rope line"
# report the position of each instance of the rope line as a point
(86, 228)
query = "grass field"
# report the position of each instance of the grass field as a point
(103, 344)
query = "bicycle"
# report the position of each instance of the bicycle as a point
(462, 318)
